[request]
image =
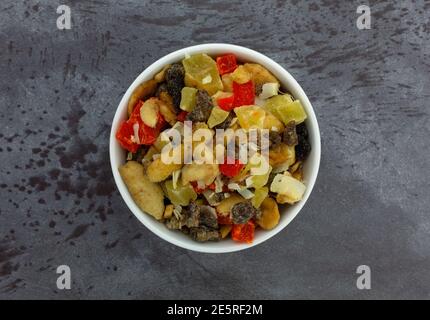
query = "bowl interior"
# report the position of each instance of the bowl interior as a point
(311, 166)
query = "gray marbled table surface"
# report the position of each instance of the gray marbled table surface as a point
(59, 205)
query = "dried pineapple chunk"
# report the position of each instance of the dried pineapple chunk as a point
(250, 117)
(260, 195)
(201, 72)
(217, 116)
(241, 75)
(227, 81)
(269, 90)
(188, 99)
(271, 122)
(285, 109)
(290, 190)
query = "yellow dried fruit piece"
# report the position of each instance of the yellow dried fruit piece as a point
(167, 99)
(150, 153)
(168, 211)
(275, 102)
(225, 205)
(298, 174)
(241, 75)
(217, 116)
(250, 117)
(285, 109)
(158, 171)
(149, 112)
(269, 214)
(199, 172)
(181, 195)
(282, 155)
(148, 196)
(141, 92)
(290, 189)
(201, 72)
(188, 99)
(227, 82)
(220, 95)
(269, 90)
(259, 74)
(295, 166)
(159, 143)
(225, 230)
(168, 112)
(270, 122)
(294, 111)
(296, 170)
(260, 195)
(160, 77)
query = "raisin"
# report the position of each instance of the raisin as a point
(258, 88)
(192, 215)
(302, 130)
(289, 136)
(242, 212)
(218, 197)
(140, 153)
(175, 82)
(303, 148)
(274, 139)
(203, 108)
(208, 217)
(202, 234)
(174, 224)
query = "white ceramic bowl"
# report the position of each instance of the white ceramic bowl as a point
(118, 155)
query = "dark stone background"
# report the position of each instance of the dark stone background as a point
(59, 205)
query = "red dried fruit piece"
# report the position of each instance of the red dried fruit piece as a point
(125, 135)
(226, 103)
(147, 135)
(226, 63)
(231, 169)
(224, 219)
(243, 232)
(244, 94)
(181, 116)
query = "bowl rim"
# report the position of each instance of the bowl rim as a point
(212, 49)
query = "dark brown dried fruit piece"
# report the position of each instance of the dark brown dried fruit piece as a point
(208, 217)
(303, 148)
(174, 223)
(192, 215)
(203, 108)
(242, 212)
(202, 234)
(275, 138)
(289, 137)
(175, 82)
